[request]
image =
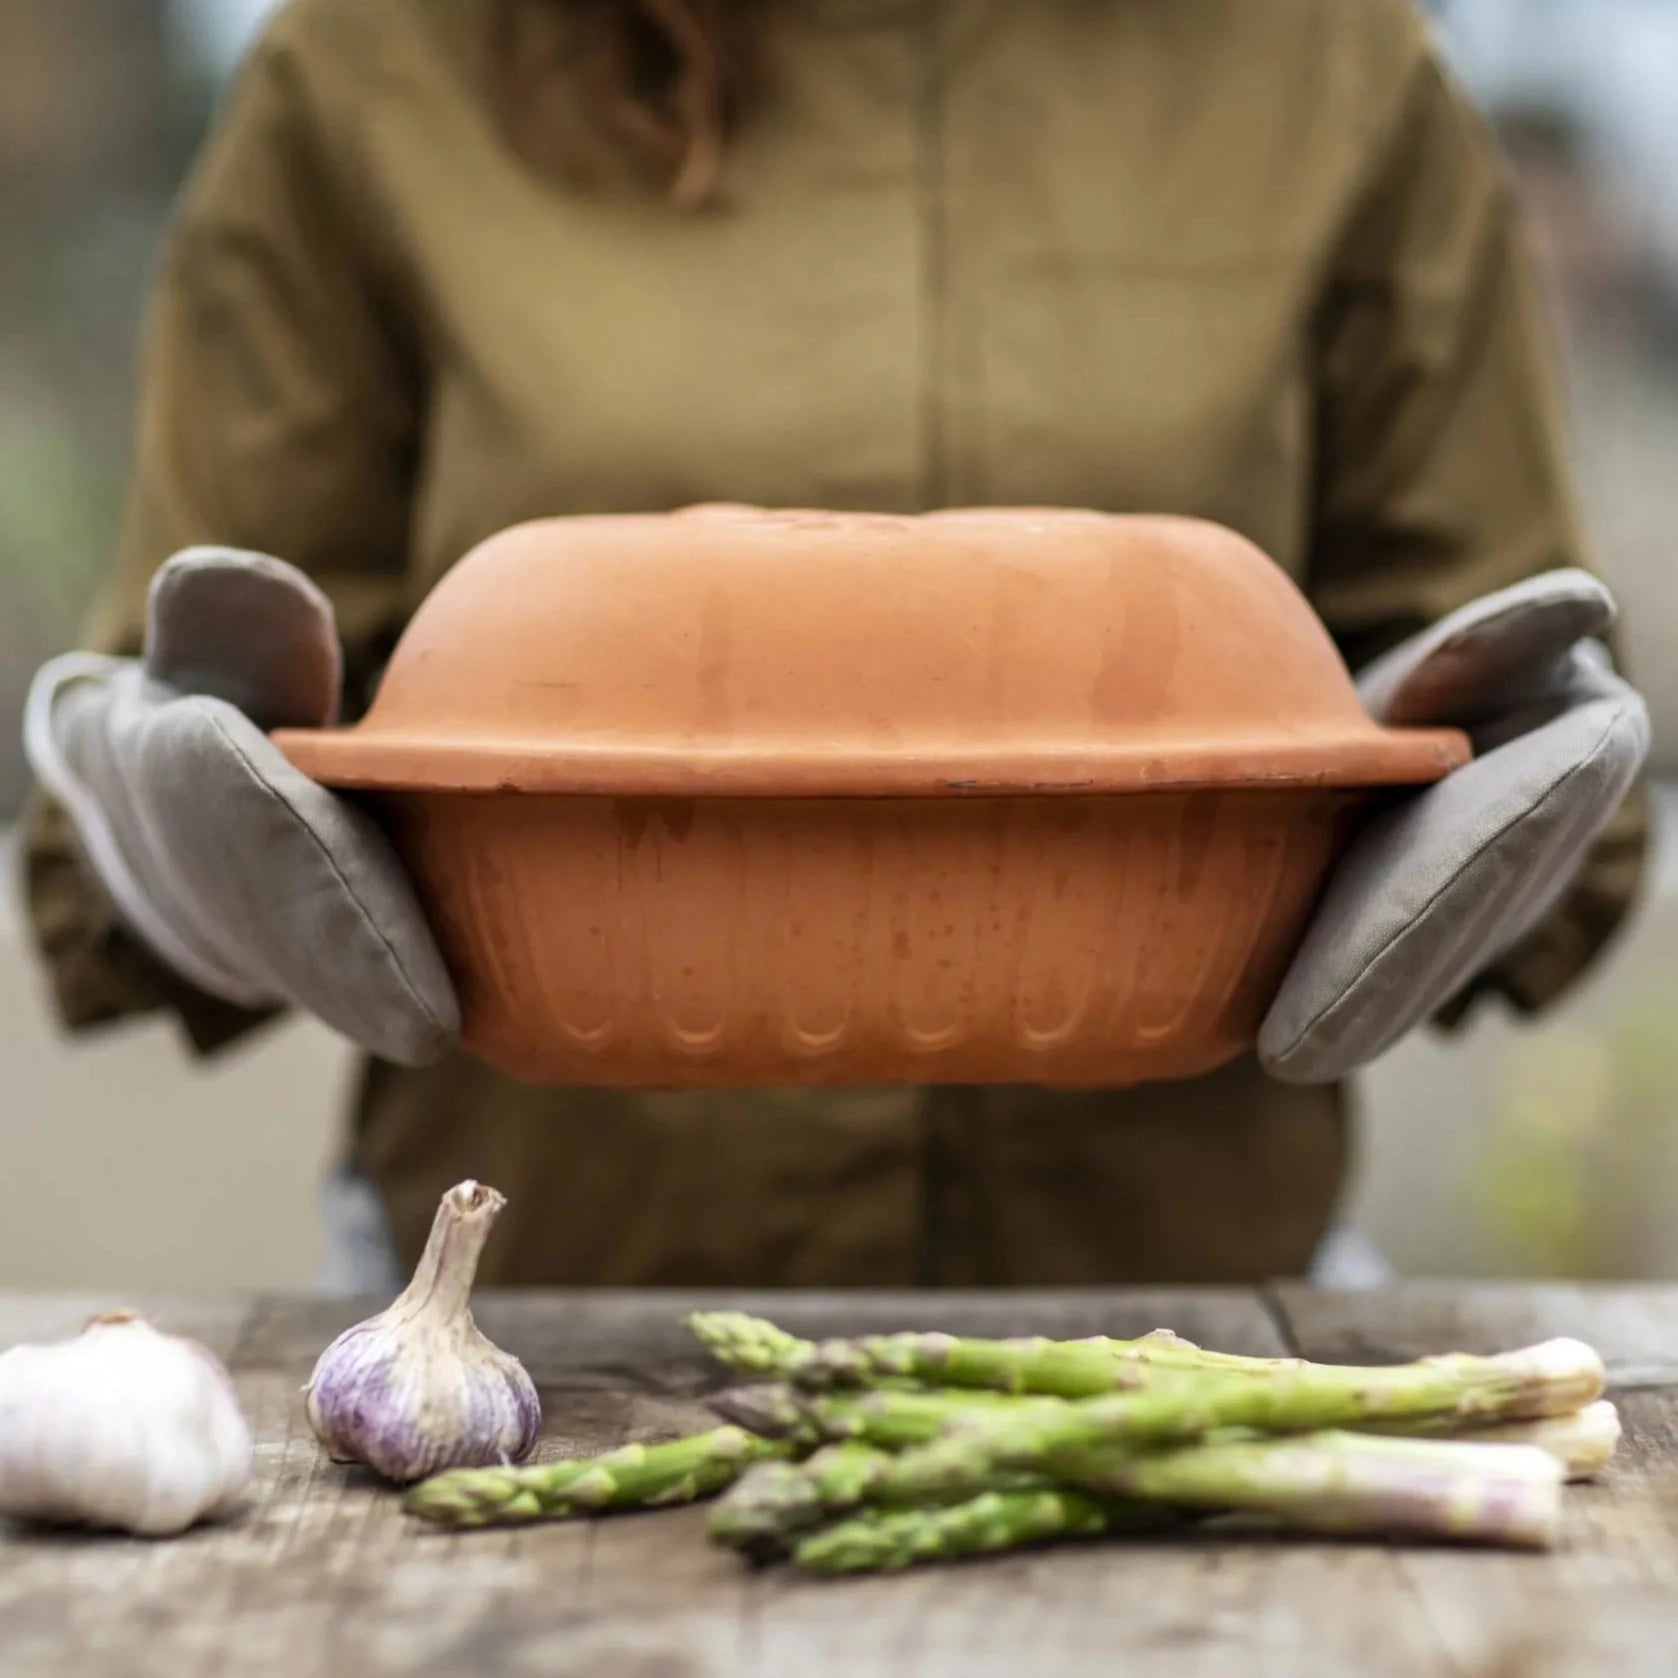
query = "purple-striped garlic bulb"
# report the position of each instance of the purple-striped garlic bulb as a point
(418, 1388)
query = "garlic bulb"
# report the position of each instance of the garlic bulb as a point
(417, 1388)
(123, 1427)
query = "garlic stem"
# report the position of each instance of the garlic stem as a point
(442, 1280)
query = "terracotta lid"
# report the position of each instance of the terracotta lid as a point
(734, 651)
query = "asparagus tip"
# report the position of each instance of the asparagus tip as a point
(748, 1343)
(770, 1410)
(457, 1497)
(767, 1506)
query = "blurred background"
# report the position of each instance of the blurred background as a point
(1547, 1150)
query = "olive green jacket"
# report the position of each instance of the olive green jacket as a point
(1248, 259)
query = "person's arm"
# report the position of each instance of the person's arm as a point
(278, 412)
(1442, 474)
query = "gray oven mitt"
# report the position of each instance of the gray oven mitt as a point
(247, 878)
(1439, 886)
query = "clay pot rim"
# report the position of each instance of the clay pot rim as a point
(355, 759)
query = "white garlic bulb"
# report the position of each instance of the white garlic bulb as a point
(124, 1427)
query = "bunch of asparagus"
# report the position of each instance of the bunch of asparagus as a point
(889, 1450)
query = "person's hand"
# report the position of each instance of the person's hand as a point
(1437, 888)
(247, 878)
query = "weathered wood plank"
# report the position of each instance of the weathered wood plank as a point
(616, 1339)
(1218, 1608)
(1605, 1601)
(1634, 1326)
(324, 1575)
(217, 1320)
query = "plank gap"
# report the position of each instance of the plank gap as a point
(1275, 1308)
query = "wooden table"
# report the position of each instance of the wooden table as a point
(323, 1575)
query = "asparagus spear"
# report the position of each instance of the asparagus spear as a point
(1329, 1482)
(1460, 1390)
(885, 1540)
(1583, 1443)
(774, 1503)
(1339, 1484)
(896, 1419)
(1350, 1484)
(891, 1418)
(1062, 1368)
(634, 1477)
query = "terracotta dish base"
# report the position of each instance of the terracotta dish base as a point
(769, 942)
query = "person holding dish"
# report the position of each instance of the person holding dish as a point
(448, 265)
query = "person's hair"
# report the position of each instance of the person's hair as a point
(660, 83)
